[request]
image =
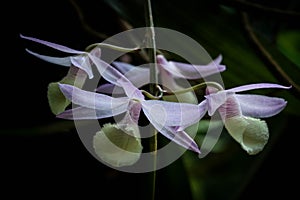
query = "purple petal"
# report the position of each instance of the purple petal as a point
(64, 61)
(257, 86)
(231, 108)
(179, 137)
(202, 109)
(191, 71)
(109, 88)
(259, 106)
(81, 113)
(215, 100)
(83, 62)
(168, 81)
(137, 75)
(77, 61)
(92, 100)
(115, 77)
(53, 45)
(123, 67)
(173, 113)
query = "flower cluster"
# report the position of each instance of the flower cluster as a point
(240, 113)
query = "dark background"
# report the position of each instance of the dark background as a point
(38, 162)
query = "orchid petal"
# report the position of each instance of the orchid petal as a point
(173, 113)
(190, 71)
(137, 75)
(53, 45)
(251, 133)
(257, 86)
(90, 99)
(109, 88)
(202, 109)
(179, 137)
(115, 77)
(118, 146)
(260, 106)
(215, 100)
(171, 132)
(80, 113)
(231, 108)
(79, 61)
(64, 61)
(83, 62)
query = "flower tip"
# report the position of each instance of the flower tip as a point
(161, 59)
(198, 151)
(221, 68)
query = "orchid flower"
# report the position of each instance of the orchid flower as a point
(79, 68)
(80, 59)
(166, 117)
(168, 71)
(241, 113)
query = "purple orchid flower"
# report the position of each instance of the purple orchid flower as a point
(166, 117)
(168, 70)
(241, 112)
(80, 59)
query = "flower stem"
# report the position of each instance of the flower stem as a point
(197, 87)
(114, 47)
(152, 52)
(150, 37)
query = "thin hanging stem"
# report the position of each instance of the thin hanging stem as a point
(267, 55)
(153, 84)
(152, 52)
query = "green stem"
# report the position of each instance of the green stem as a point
(153, 84)
(197, 87)
(268, 56)
(152, 52)
(114, 47)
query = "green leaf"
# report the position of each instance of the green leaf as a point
(288, 42)
(57, 101)
(118, 147)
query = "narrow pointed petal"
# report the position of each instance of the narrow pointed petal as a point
(90, 99)
(123, 67)
(138, 76)
(173, 113)
(53, 45)
(257, 86)
(80, 113)
(259, 106)
(179, 137)
(191, 71)
(109, 88)
(79, 61)
(64, 61)
(115, 77)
